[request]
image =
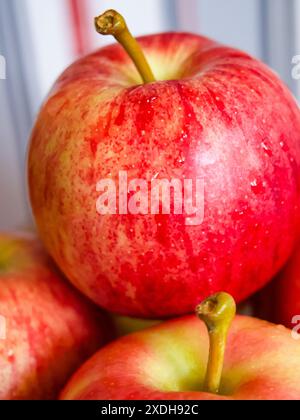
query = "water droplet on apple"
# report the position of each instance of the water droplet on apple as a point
(284, 146)
(155, 177)
(180, 160)
(257, 187)
(266, 148)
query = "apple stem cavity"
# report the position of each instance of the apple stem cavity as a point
(217, 312)
(112, 23)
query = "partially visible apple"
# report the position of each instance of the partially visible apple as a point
(213, 114)
(169, 362)
(279, 302)
(47, 329)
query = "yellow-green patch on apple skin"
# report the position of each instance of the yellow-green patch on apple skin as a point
(124, 325)
(262, 362)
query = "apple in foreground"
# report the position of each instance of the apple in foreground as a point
(46, 329)
(211, 114)
(279, 302)
(168, 362)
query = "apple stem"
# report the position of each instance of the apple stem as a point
(112, 23)
(217, 312)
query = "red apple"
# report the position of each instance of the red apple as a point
(279, 302)
(168, 362)
(214, 114)
(47, 330)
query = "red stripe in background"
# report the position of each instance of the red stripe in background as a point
(79, 18)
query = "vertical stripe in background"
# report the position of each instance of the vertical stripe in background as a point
(79, 18)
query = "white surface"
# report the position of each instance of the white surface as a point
(52, 43)
(12, 197)
(233, 22)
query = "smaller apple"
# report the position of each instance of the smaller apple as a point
(47, 330)
(279, 302)
(169, 361)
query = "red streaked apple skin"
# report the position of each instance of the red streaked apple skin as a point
(50, 329)
(169, 362)
(227, 119)
(280, 301)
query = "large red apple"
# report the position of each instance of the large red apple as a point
(214, 114)
(46, 329)
(279, 302)
(168, 362)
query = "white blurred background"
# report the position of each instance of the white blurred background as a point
(39, 38)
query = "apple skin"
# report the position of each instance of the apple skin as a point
(221, 116)
(279, 302)
(123, 325)
(168, 362)
(50, 329)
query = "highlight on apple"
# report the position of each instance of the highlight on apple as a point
(158, 196)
